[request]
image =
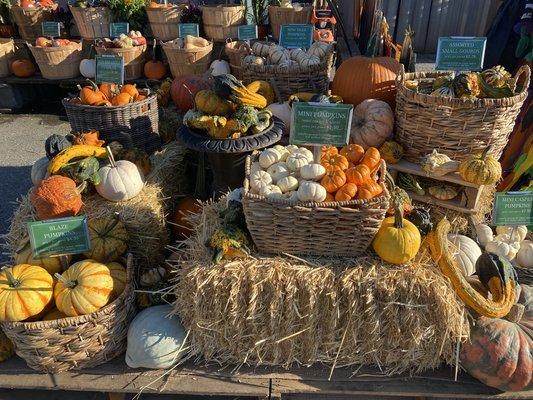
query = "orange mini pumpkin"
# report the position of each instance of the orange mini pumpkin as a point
(358, 174)
(121, 99)
(369, 190)
(328, 151)
(91, 95)
(56, 197)
(89, 138)
(22, 68)
(329, 197)
(130, 89)
(353, 152)
(335, 162)
(347, 192)
(371, 158)
(155, 69)
(333, 180)
(109, 90)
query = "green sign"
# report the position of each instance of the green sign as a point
(459, 53)
(513, 208)
(188, 29)
(247, 32)
(118, 28)
(55, 237)
(109, 68)
(320, 123)
(51, 29)
(295, 36)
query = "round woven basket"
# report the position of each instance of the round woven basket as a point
(92, 22)
(456, 127)
(187, 61)
(58, 62)
(29, 20)
(134, 58)
(76, 342)
(7, 51)
(235, 51)
(221, 22)
(281, 16)
(164, 21)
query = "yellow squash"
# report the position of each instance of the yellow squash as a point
(77, 150)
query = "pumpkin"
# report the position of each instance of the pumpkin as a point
(360, 78)
(120, 278)
(90, 138)
(84, 288)
(524, 257)
(285, 153)
(122, 99)
(296, 161)
(39, 170)
(184, 88)
(421, 218)
(130, 89)
(498, 351)
(371, 158)
(109, 90)
(91, 95)
(311, 191)
(88, 68)
(208, 102)
(443, 192)
(155, 69)
(288, 184)
(152, 276)
(50, 264)
(283, 112)
(261, 49)
(346, 192)
(261, 178)
(155, 340)
(391, 151)
(369, 189)
(230, 88)
(502, 247)
(22, 68)
(358, 174)
(481, 169)
(397, 240)
(137, 156)
(484, 234)
(74, 151)
(219, 67)
(312, 172)
(335, 162)
(269, 157)
(109, 239)
(333, 180)
(54, 144)
(120, 180)
(308, 154)
(353, 152)
(276, 171)
(6, 347)
(56, 197)
(433, 160)
(181, 226)
(53, 314)
(465, 252)
(270, 191)
(372, 123)
(328, 151)
(517, 233)
(25, 292)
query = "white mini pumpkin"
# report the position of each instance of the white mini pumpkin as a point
(372, 123)
(311, 191)
(120, 180)
(288, 184)
(255, 60)
(269, 157)
(269, 190)
(500, 247)
(310, 61)
(220, 67)
(519, 233)
(484, 234)
(283, 112)
(261, 49)
(278, 55)
(283, 151)
(296, 161)
(312, 172)
(88, 68)
(292, 148)
(39, 170)
(465, 252)
(318, 49)
(277, 171)
(524, 257)
(259, 179)
(307, 153)
(294, 53)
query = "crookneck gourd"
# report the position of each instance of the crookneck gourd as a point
(501, 286)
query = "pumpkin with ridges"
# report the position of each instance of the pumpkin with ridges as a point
(109, 239)
(372, 123)
(184, 88)
(50, 264)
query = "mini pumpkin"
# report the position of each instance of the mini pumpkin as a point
(50, 264)
(335, 162)
(288, 184)
(109, 239)
(259, 179)
(358, 174)
(353, 152)
(311, 191)
(346, 192)
(481, 169)
(333, 180)
(277, 171)
(56, 197)
(371, 158)
(312, 172)
(369, 189)
(296, 161)
(269, 157)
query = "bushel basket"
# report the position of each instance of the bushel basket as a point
(92, 22)
(58, 62)
(236, 50)
(7, 51)
(221, 21)
(330, 228)
(454, 126)
(164, 21)
(284, 16)
(29, 20)
(76, 342)
(187, 61)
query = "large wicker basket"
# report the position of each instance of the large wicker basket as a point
(92, 22)
(134, 58)
(282, 15)
(235, 51)
(333, 228)
(187, 61)
(456, 127)
(58, 62)
(7, 50)
(221, 21)
(139, 120)
(76, 342)
(29, 20)
(164, 21)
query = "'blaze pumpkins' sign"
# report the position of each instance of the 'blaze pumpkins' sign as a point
(59, 236)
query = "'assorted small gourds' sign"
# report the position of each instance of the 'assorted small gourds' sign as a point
(59, 236)
(109, 69)
(296, 36)
(513, 208)
(458, 53)
(188, 29)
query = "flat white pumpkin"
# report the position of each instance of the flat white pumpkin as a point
(277, 171)
(120, 180)
(312, 172)
(311, 191)
(372, 123)
(269, 157)
(288, 184)
(307, 153)
(524, 257)
(283, 151)
(88, 68)
(259, 179)
(292, 148)
(519, 233)
(465, 252)
(296, 161)
(269, 190)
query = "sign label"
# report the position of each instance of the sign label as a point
(60, 236)
(247, 32)
(109, 68)
(188, 29)
(320, 123)
(294, 36)
(51, 29)
(513, 208)
(118, 28)
(458, 53)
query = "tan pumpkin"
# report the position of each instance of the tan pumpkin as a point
(443, 192)
(109, 239)
(120, 278)
(481, 169)
(372, 123)
(50, 264)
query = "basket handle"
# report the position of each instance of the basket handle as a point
(524, 69)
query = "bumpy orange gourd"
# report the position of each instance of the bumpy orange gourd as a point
(347, 192)
(90, 138)
(122, 99)
(335, 162)
(353, 152)
(358, 174)
(56, 197)
(333, 180)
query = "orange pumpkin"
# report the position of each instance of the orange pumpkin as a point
(109, 90)
(91, 95)
(353, 152)
(328, 151)
(347, 192)
(369, 190)
(140, 97)
(360, 78)
(358, 174)
(333, 180)
(155, 69)
(334, 162)
(181, 226)
(22, 68)
(130, 89)
(89, 138)
(56, 197)
(121, 99)
(329, 197)
(371, 158)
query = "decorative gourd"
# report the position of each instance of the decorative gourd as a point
(269, 157)
(501, 247)
(481, 169)
(263, 88)
(446, 168)
(285, 153)
(155, 340)
(465, 252)
(409, 182)
(90, 138)
(120, 278)
(109, 239)
(137, 156)
(208, 102)
(306, 152)
(246, 117)
(39, 170)
(358, 174)
(498, 351)
(259, 179)
(50, 264)
(353, 152)
(484, 234)
(333, 180)
(442, 192)
(369, 190)
(466, 85)
(283, 112)
(152, 276)
(517, 233)
(74, 151)
(251, 59)
(372, 123)
(185, 87)
(219, 67)
(84, 288)
(496, 76)
(524, 257)
(312, 172)
(443, 91)
(397, 240)
(346, 192)
(311, 191)
(421, 218)
(288, 184)
(230, 88)
(6, 347)
(277, 171)
(25, 291)
(296, 161)
(54, 144)
(391, 151)
(120, 180)
(56, 197)
(261, 49)
(371, 158)
(88, 68)
(433, 160)
(335, 162)
(270, 191)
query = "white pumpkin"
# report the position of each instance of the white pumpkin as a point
(269, 190)
(318, 49)
(255, 167)
(269, 157)
(88, 68)
(307, 153)
(500, 247)
(283, 112)
(311, 191)
(312, 172)
(283, 151)
(292, 148)
(278, 54)
(465, 252)
(255, 60)
(519, 233)
(372, 123)
(288, 184)
(120, 180)
(310, 61)
(220, 67)
(292, 196)
(39, 170)
(259, 179)
(296, 161)
(484, 234)
(524, 257)
(295, 53)
(155, 339)
(261, 49)
(277, 171)
(285, 3)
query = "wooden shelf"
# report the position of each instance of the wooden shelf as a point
(453, 204)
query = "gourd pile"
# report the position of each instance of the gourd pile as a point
(190, 42)
(273, 54)
(45, 42)
(37, 4)
(509, 242)
(108, 95)
(132, 39)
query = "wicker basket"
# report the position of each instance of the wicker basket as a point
(134, 58)
(235, 51)
(92, 22)
(221, 22)
(187, 61)
(456, 127)
(139, 119)
(281, 16)
(339, 228)
(164, 21)
(58, 62)
(29, 20)
(7, 51)
(76, 342)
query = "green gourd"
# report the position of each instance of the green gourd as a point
(54, 144)
(230, 88)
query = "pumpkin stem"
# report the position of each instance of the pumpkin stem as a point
(71, 284)
(94, 85)
(81, 187)
(111, 157)
(112, 225)
(11, 280)
(153, 50)
(486, 152)
(398, 215)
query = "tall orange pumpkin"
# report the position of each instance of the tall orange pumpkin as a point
(360, 78)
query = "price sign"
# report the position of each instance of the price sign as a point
(316, 124)
(118, 28)
(247, 32)
(60, 236)
(109, 68)
(513, 208)
(295, 36)
(51, 29)
(188, 29)
(458, 53)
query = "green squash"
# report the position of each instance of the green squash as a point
(247, 117)
(409, 183)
